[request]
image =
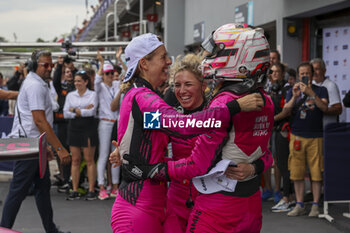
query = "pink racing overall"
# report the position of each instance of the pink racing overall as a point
(179, 192)
(244, 142)
(140, 205)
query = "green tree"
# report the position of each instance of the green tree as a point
(2, 39)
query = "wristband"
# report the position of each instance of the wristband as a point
(233, 107)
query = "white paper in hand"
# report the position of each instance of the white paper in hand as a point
(215, 180)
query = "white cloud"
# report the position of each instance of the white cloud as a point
(40, 19)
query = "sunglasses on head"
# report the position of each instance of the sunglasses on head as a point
(109, 72)
(46, 65)
(81, 72)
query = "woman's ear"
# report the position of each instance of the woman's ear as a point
(143, 64)
(86, 83)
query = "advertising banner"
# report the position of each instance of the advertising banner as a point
(336, 55)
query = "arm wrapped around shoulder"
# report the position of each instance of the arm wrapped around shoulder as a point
(233, 107)
(248, 103)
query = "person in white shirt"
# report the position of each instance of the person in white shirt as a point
(106, 90)
(80, 108)
(334, 107)
(33, 116)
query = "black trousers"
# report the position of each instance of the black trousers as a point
(25, 174)
(62, 131)
(282, 155)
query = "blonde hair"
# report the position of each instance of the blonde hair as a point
(190, 62)
(126, 86)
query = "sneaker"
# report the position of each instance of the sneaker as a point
(57, 183)
(114, 193)
(109, 189)
(277, 196)
(314, 211)
(281, 206)
(58, 177)
(266, 195)
(297, 211)
(64, 188)
(90, 196)
(103, 195)
(73, 196)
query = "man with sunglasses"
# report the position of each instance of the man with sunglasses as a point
(33, 116)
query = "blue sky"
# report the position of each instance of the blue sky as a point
(46, 19)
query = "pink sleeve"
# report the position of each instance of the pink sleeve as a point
(202, 157)
(206, 150)
(176, 124)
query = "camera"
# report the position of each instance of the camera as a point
(305, 80)
(67, 45)
(67, 59)
(275, 88)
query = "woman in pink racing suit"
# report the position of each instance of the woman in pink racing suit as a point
(140, 204)
(240, 58)
(189, 88)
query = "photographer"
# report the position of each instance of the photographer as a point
(63, 83)
(62, 63)
(306, 103)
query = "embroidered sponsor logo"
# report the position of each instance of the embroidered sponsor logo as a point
(203, 184)
(261, 126)
(195, 220)
(136, 171)
(184, 164)
(127, 76)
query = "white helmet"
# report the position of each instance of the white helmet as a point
(237, 53)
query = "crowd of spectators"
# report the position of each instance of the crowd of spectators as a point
(78, 100)
(305, 101)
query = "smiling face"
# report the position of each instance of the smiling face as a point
(155, 69)
(80, 84)
(189, 91)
